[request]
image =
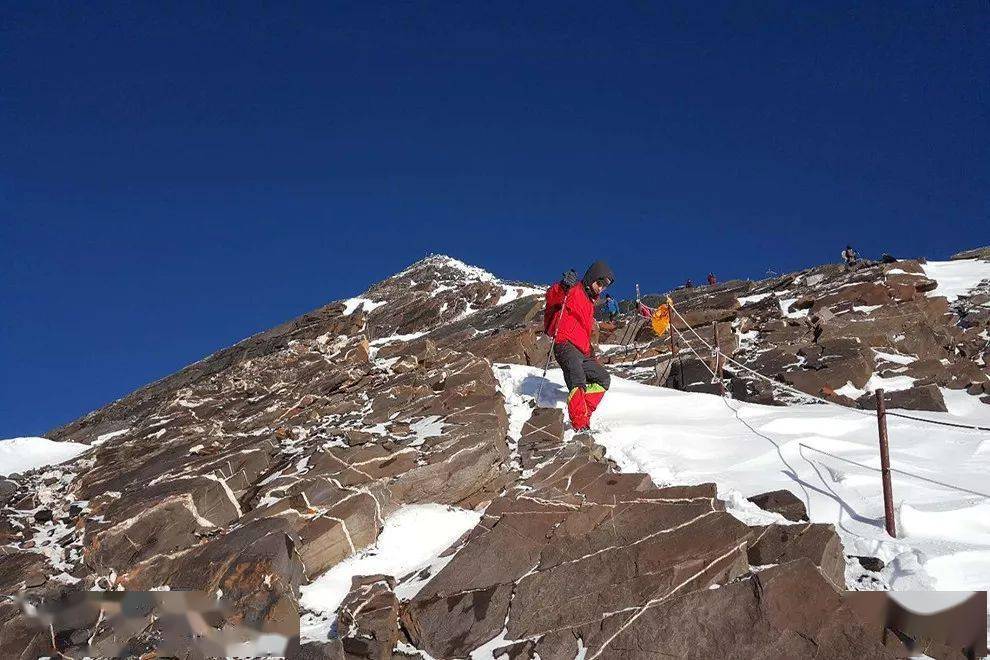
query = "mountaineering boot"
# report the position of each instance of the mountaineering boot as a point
(577, 409)
(593, 394)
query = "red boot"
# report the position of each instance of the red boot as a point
(593, 394)
(577, 408)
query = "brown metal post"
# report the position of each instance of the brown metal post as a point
(717, 359)
(673, 350)
(888, 494)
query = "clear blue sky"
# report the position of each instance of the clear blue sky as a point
(178, 176)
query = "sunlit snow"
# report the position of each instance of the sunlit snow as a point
(956, 278)
(826, 455)
(22, 454)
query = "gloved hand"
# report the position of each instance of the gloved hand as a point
(569, 279)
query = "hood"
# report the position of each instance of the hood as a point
(597, 271)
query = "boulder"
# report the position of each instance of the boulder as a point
(783, 502)
(816, 542)
(8, 489)
(367, 621)
(924, 397)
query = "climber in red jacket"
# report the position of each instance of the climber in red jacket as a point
(568, 317)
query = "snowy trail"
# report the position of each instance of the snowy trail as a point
(826, 456)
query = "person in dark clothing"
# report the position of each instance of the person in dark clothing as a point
(568, 317)
(850, 257)
(712, 281)
(689, 284)
(611, 308)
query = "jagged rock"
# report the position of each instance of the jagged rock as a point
(256, 568)
(332, 650)
(267, 463)
(542, 435)
(779, 544)
(21, 638)
(8, 489)
(976, 253)
(368, 618)
(19, 568)
(754, 618)
(925, 397)
(870, 563)
(169, 525)
(783, 502)
(578, 534)
(349, 526)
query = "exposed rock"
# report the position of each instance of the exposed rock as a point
(976, 253)
(267, 463)
(8, 489)
(332, 650)
(870, 563)
(818, 543)
(368, 619)
(924, 397)
(783, 502)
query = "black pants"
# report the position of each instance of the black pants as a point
(579, 369)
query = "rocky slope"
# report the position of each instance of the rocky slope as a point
(827, 331)
(258, 469)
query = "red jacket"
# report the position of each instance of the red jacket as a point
(577, 319)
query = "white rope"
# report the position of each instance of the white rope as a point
(772, 382)
(797, 392)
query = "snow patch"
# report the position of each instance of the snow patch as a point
(412, 539)
(748, 300)
(896, 358)
(351, 305)
(956, 278)
(28, 453)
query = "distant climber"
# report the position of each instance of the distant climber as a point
(689, 284)
(611, 308)
(712, 280)
(850, 257)
(568, 317)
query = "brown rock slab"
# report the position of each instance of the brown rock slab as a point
(368, 616)
(817, 542)
(783, 502)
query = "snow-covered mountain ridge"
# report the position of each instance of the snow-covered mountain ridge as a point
(390, 439)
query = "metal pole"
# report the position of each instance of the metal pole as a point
(718, 359)
(673, 346)
(553, 340)
(888, 495)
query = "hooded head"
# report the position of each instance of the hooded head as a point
(598, 271)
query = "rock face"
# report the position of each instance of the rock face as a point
(261, 467)
(578, 556)
(826, 331)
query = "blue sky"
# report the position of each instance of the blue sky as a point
(178, 177)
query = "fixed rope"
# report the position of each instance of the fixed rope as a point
(797, 392)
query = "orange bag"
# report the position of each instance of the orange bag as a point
(660, 319)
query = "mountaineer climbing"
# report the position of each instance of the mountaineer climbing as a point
(712, 280)
(850, 257)
(611, 308)
(569, 318)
